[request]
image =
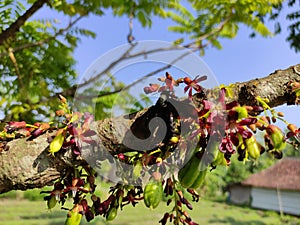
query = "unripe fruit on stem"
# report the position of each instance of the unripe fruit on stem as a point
(51, 202)
(242, 112)
(218, 156)
(219, 160)
(111, 214)
(153, 193)
(74, 217)
(192, 174)
(136, 173)
(56, 143)
(253, 148)
(87, 187)
(277, 137)
(199, 180)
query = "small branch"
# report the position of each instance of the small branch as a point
(130, 37)
(42, 42)
(126, 56)
(14, 62)
(213, 32)
(143, 77)
(15, 27)
(107, 69)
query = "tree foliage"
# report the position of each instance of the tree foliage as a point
(37, 57)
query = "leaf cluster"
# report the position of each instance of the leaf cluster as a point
(218, 19)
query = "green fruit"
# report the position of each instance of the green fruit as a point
(111, 214)
(153, 193)
(192, 174)
(136, 173)
(277, 137)
(51, 202)
(87, 187)
(218, 156)
(253, 148)
(242, 112)
(213, 151)
(278, 140)
(74, 217)
(282, 146)
(56, 144)
(188, 174)
(240, 139)
(199, 180)
(219, 160)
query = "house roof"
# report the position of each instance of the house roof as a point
(284, 175)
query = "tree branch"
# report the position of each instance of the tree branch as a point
(273, 87)
(27, 164)
(14, 27)
(47, 40)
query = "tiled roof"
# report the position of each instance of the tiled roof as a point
(285, 175)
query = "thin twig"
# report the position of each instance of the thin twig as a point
(130, 37)
(15, 64)
(127, 56)
(143, 77)
(42, 42)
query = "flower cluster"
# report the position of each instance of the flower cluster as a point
(218, 127)
(76, 185)
(221, 128)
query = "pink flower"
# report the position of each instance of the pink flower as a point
(193, 84)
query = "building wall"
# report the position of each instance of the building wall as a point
(271, 199)
(239, 194)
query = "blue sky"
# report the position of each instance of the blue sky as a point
(241, 59)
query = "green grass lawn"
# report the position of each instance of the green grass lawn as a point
(24, 212)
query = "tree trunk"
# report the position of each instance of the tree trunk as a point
(28, 164)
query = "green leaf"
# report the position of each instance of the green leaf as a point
(216, 43)
(142, 18)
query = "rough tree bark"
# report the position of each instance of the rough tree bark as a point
(27, 164)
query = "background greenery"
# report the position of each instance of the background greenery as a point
(21, 210)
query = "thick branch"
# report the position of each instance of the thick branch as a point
(14, 27)
(27, 164)
(273, 87)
